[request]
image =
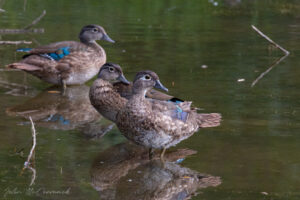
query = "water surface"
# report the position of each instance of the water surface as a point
(255, 151)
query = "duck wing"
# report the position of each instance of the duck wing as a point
(54, 51)
(175, 110)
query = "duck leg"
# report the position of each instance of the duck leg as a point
(64, 84)
(151, 153)
(162, 154)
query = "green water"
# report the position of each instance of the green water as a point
(256, 149)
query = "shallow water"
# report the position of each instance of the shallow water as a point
(255, 151)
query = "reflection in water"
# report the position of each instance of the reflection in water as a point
(67, 111)
(125, 172)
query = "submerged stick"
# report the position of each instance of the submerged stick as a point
(268, 70)
(16, 42)
(269, 39)
(36, 20)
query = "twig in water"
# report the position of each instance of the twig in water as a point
(27, 162)
(268, 70)
(36, 20)
(16, 42)
(30, 158)
(21, 31)
(269, 39)
(276, 62)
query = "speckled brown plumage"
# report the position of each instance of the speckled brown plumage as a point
(105, 99)
(153, 127)
(84, 61)
(108, 95)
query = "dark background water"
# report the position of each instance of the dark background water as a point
(256, 149)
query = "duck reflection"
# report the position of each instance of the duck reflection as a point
(125, 172)
(66, 111)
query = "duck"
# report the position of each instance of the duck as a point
(111, 90)
(67, 62)
(155, 125)
(103, 96)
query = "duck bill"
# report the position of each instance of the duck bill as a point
(122, 79)
(158, 85)
(107, 38)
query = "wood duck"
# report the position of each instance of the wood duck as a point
(68, 62)
(110, 92)
(103, 96)
(160, 126)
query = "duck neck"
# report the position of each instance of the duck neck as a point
(139, 94)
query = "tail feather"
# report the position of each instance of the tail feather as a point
(209, 120)
(24, 66)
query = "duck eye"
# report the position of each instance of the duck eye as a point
(95, 30)
(147, 77)
(111, 69)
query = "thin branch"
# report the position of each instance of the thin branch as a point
(36, 20)
(269, 39)
(16, 42)
(30, 159)
(33, 175)
(27, 162)
(21, 31)
(268, 70)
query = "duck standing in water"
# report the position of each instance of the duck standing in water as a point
(68, 62)
(111, 91)
(155, 125)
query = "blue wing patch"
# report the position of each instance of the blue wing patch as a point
(24, 49)
(180, 114)
(58, 118)
(59, 54)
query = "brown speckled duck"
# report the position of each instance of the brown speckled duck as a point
(103, 96)
(158, 127)
(110, 91)
(68, 62)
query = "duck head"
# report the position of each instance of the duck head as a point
(146, 80)
(112, 73)
(91, 33)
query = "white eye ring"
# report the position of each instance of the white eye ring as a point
(95, 30)
(146, 78)
(111, 69)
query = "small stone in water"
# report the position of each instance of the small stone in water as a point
(129, 180)
(241, 80)
(204, 66)
(123, 50)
